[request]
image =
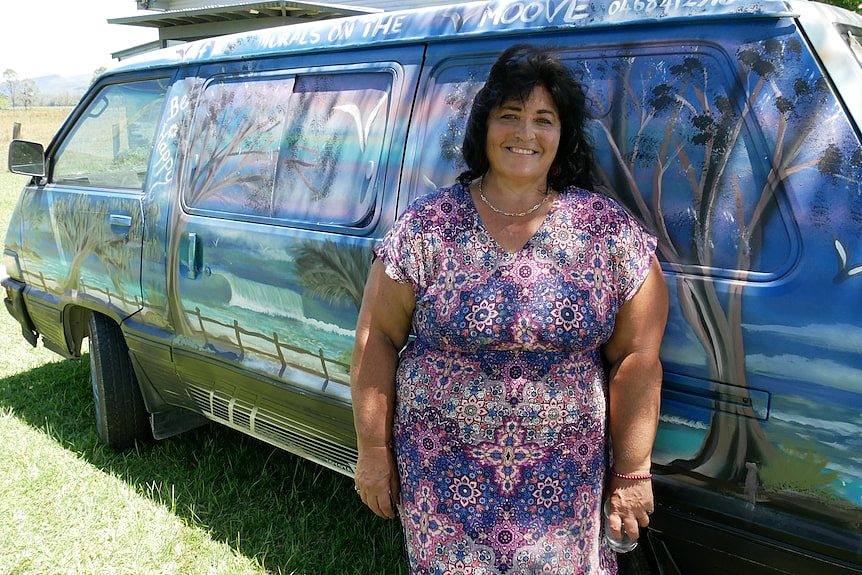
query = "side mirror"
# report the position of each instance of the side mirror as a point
(26, 158)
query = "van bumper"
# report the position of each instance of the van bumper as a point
(14, 301)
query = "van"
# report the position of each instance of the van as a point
(206, 217)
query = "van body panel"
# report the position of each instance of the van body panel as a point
(279, 158)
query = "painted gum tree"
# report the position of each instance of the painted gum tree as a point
(674, 142)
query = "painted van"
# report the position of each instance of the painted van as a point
(207, 213)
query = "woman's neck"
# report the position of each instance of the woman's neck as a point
(513, 196)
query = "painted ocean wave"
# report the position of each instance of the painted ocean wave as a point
(841, 428)
(676, 420)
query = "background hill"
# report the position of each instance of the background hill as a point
(57, 90)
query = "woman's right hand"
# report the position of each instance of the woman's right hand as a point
(376, 480)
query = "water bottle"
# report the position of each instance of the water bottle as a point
(623, 545)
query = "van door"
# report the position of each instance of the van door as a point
(85, 223)
(291, 171)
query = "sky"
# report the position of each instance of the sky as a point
(44, 37)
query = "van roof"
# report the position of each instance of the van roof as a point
(437, 23)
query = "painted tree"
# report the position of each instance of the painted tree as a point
(653, 113)
(333, 273)
(81, 224)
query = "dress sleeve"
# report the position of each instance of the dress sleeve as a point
(402, 251)
(632, 249)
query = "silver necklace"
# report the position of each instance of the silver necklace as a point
(512, 214)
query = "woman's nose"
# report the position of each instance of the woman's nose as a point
(524, 130)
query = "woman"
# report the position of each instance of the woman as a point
(538, 309)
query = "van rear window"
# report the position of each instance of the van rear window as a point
(302, 148)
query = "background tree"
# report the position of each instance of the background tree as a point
(10, 77)
(27, 93)
(97, 72)
(852, 5)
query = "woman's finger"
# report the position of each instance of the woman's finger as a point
(630, 524)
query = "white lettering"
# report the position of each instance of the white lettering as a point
(576, 11)
(165, 162)
(175, 106)
(383, 25)
(553, 15)
(536, 9)
(490, 14)
(511, 13)
(341, 31)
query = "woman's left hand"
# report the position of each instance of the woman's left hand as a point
(630, 504)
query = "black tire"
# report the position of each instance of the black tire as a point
(121, 417)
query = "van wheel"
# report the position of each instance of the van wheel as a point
(121, 417)
(635, 563)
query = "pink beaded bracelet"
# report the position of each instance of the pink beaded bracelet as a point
(633, 477)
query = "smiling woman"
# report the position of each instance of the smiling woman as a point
(497, 434)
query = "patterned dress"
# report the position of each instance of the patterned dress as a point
(500, 425)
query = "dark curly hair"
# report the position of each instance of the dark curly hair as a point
(513, 76)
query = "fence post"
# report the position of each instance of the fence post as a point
(16, 131)
(238, 339)
(323, 364)
(201, 323)
(115, 133)
(280, 353)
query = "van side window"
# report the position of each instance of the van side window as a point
(111, 143)
(674, 145)
(675, 141)
(447, 102)
(297, 149)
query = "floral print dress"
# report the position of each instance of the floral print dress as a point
(501, 400)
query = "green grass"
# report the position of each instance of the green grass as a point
(211, 501)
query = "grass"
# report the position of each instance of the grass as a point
(211, 501)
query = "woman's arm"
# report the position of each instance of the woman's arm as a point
(635, 395)
(381, 331)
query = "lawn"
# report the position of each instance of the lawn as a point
(211, 501)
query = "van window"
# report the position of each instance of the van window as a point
(304, 148)
(111, 143)
(668, 131)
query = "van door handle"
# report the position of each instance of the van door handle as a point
(120, 220)
(193, 262)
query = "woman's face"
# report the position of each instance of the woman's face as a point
(523, 138)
